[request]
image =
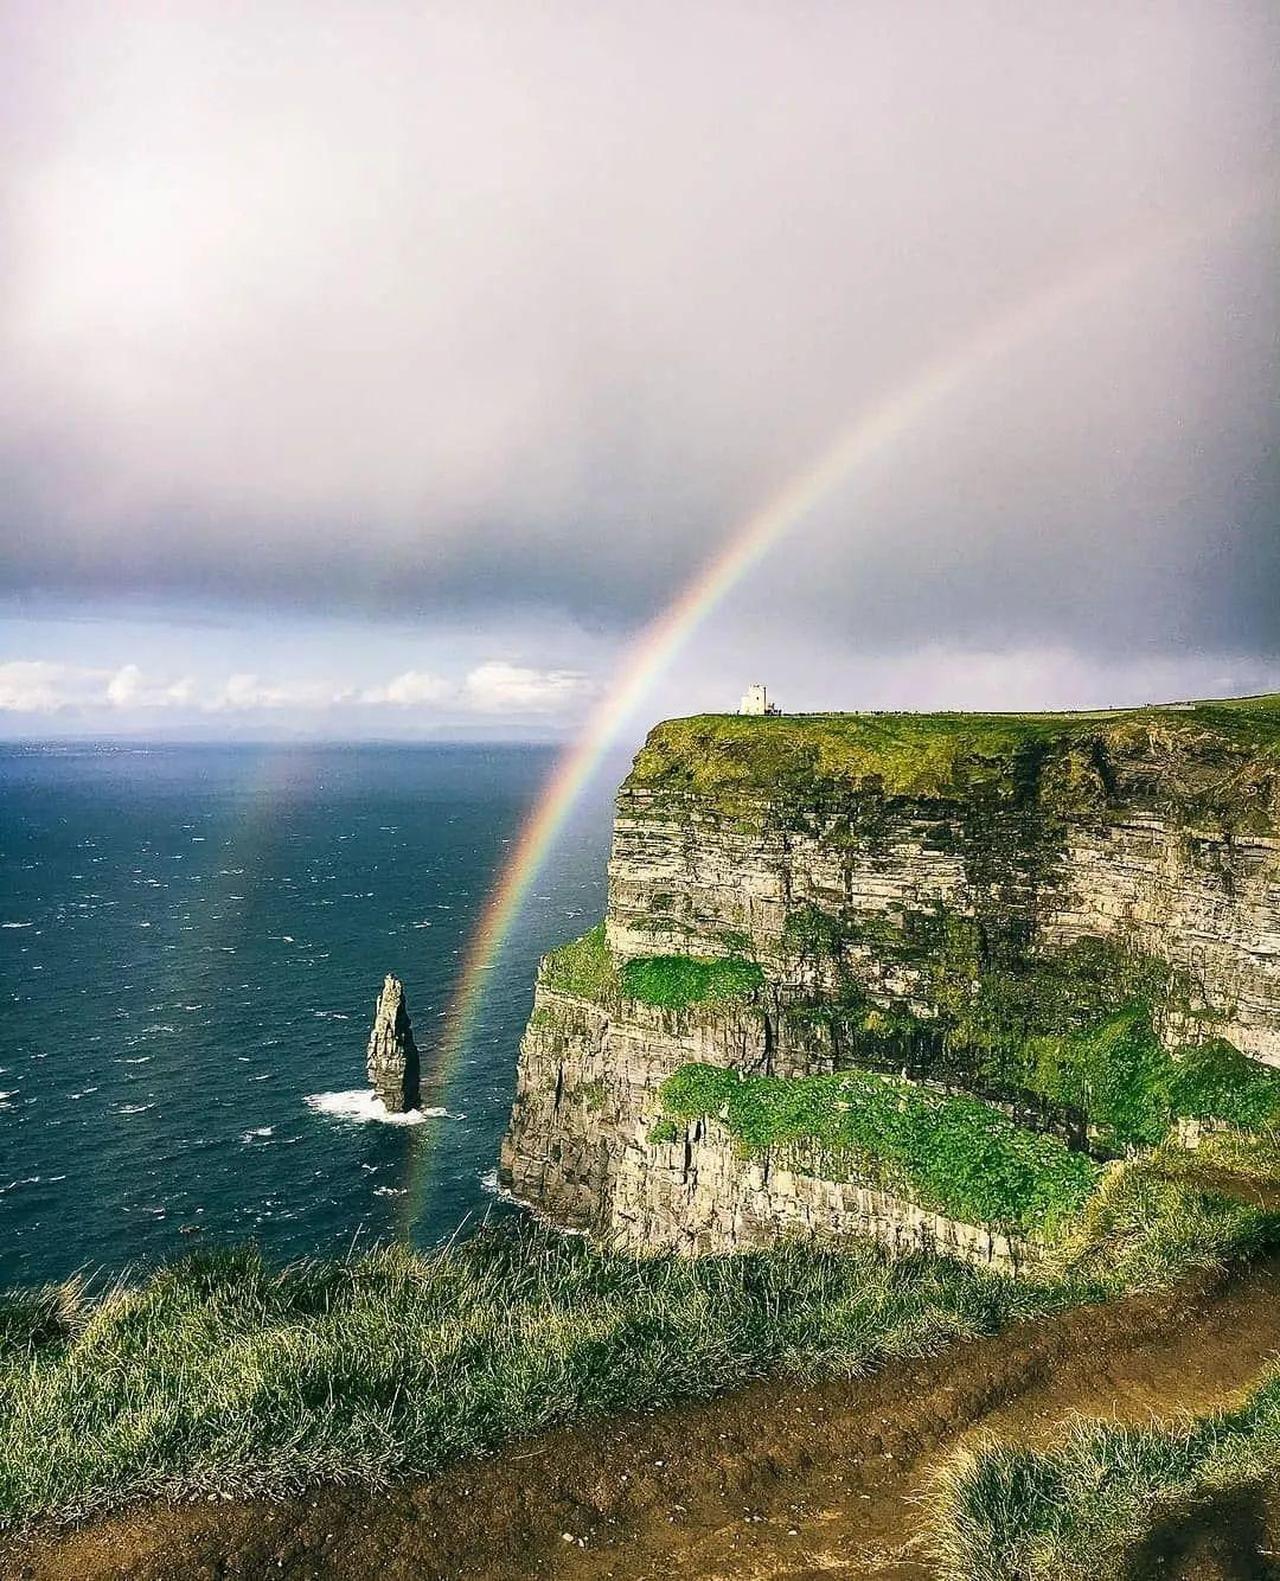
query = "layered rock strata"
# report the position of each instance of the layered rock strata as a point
(831, 856)
(581, 1151)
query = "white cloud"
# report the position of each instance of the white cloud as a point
(498, 687)
(41, 686)
(128, 688)
(124, 686)
(412, 688)
(244, 692)
(114, 694)
(35, 686)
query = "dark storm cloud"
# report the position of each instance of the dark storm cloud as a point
(497, 306)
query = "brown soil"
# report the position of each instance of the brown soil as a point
(775, 1481)
(1235, 1537)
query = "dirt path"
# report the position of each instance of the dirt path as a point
(771, 1482)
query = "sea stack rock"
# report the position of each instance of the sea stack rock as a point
(393, 1055)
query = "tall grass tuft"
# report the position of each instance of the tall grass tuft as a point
(1010, 1514)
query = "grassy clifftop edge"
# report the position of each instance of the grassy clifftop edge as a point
(1227, 751)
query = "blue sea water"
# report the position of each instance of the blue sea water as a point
(192, 939)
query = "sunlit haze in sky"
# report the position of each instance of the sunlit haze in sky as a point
(382, 369)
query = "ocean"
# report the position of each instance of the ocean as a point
(192, 939)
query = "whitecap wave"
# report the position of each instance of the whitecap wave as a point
(362, 1104)
(16, 924)
(260, 1130)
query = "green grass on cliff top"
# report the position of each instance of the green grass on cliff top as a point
(958, 1156)
(923, 754)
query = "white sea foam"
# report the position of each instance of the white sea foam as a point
(390, 1191)
(362, 1104)
(133, 1108)
(259, 1130)
(489, 1182)
(17, 924)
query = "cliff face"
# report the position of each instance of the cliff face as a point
(905, 863)
(581, 1148)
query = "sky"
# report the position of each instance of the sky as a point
(381, 370)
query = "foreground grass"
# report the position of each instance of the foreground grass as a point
(221, 1375)
(1013, 1514)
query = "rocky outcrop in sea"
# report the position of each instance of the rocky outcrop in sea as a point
(394, 1072)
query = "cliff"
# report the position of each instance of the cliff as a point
(1073, 920)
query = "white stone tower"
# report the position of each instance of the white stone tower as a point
(755, 700)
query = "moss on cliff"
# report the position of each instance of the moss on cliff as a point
(956, 1155)
(677, 981)
(1133, 1089)
(1077, 1029)
(585, 967)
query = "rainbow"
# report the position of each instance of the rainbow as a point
(870, 433)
